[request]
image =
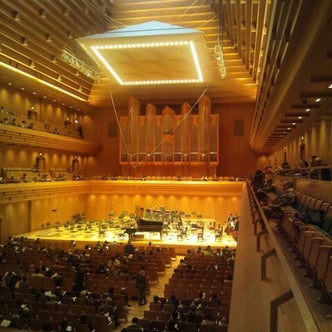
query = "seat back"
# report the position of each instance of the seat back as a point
(322, 261)
(328, 277)
(315, 246)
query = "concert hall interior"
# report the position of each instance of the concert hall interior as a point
(149, 122)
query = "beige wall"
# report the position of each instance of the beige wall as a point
(100, 205)
(317, 138)
(21, 217)
(235, 154)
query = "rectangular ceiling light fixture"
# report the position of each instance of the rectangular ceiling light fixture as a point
(105, 51)
(149, 53)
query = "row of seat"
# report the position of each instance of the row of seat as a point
(69, 309)
(153, 325)
(307, 227)
(185, 290)
(313, 248)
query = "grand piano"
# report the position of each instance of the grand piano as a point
(143, 225)
(149, 225)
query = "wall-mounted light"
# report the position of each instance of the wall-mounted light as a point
(25, 42)
(40, 162)
(17, 16)
(43, 14)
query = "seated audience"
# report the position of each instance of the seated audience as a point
(134, 325)
(288, 197)
(269, 187)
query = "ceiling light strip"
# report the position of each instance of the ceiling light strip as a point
(198, 68)
(189, 43)
(40, 81)
(106, 64)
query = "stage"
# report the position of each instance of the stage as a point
(62, 236)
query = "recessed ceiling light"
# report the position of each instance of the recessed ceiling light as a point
(299, 117)
(330, 86)
(308, 110)
(10, 83)
(318, 100)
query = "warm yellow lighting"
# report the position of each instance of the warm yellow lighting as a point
(40, 81)
(219, 55)
(96, 50)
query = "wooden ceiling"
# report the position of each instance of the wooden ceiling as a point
(277, 55)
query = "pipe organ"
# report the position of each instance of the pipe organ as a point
(170, 144)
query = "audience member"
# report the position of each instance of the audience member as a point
(129, 249)
(269, 187)
(208, 251)
(134, 327)
(141, 286)
(172, 323)
(288, 197)
(258, 180)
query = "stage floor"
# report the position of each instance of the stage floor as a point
(83, 237)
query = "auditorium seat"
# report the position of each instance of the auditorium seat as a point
(324, 254)
(144, 323)
(311, 261)
(158, 325)
(189, 327)
(221, 328)
(168, 307)
(102, 324)
(150, 315)
(304, 251)
(318, 204)
(37, 324)
(163, 315)
(82, 328)
(207, 327)
(327, 282)
(155, 306)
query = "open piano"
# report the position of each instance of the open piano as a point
(150, 225)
